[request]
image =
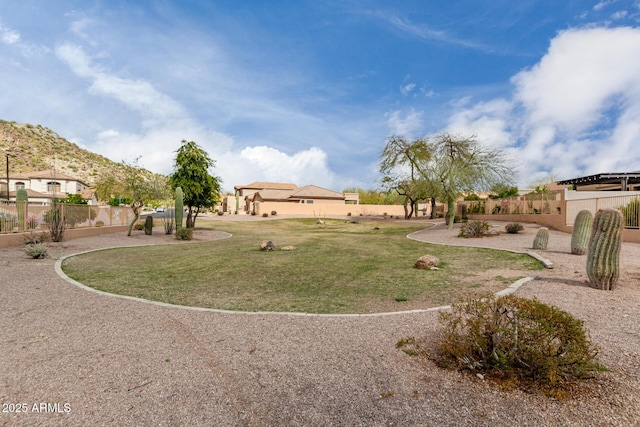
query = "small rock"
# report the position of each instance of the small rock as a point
(320, 222)
(267, 245)
(288, 248)
(480, 376)
(427, 262)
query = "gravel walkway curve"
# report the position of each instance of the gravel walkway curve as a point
(96, 360)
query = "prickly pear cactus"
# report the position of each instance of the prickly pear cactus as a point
(21, 204)
(581, 232)
(148, 225)
(603, 257)
(179, 207)
(542, 239)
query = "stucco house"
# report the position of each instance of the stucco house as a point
(248, 197)
(42, 186)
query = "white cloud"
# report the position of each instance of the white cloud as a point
(582, 72)
(138, 95)
(407, 89)
(577, 111)
(487, 120)
(301, 168)
(601, 5)
(619, 15)
(406, 125)
(9, 36)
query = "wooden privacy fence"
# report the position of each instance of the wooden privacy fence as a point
(17, 217)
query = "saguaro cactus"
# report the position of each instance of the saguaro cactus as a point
(542, 239)
(179, 207)
(148, 225)
(603, 257)
(21, 205)
(581, 232)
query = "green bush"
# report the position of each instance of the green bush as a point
(474, 229)
(184, 233)
(525, 342)
(274, 213)
(36, 250)
(265, 215)
(99, 223)
(513, 228)
(631, 212)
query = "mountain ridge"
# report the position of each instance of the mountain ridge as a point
(36, 148)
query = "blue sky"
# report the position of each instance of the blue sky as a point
(308, 91)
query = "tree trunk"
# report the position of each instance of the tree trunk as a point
(451, 211)
(433, 208)
(406, 209)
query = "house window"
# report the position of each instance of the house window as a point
(53, 187)
(20, 186)
(309, 201)
(3, 189)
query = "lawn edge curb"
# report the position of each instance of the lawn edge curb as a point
(58, 269)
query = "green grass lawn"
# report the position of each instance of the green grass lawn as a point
(339, 267)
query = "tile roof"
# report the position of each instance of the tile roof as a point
(271, 195)
(315, 192)
(45, 174)
(258, 185)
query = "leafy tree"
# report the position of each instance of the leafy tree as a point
(461, 164)
(375, 197)
(201, 190)
(403, 165)
(502, 191)
(108, 187)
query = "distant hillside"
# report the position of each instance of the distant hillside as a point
(37, 148)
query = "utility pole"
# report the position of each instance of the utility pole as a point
(7, 157)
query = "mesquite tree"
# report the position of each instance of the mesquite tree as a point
(461, 163)
(403, 165)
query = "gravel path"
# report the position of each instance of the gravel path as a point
(98, 360)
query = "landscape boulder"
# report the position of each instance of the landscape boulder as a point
(427, 262)
(267, 245)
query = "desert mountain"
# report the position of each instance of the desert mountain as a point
(37, 148)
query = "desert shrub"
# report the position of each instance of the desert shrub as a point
(513, 228)
(474, 229)
(457, 219)
(523, 341)
(220, 213)
(274, 213)
(168, 221)
(36, 250)
(99, 223)
(183, 233)
(138, 226)
(631, 212)
(265, 215)
(36, 238)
